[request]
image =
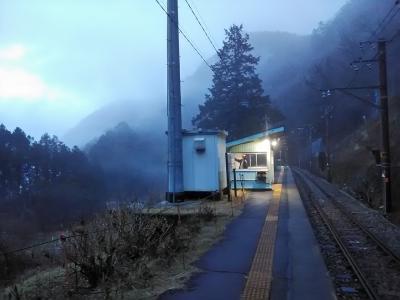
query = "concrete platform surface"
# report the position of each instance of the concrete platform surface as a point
(299, 271)
(226, 265)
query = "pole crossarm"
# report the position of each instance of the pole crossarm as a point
(373, 60)
(347, 91)
(368, 87)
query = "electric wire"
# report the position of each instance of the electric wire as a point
(184, 35)
(389, 21)
(202, 27)
(395, 36)
(382, 23)
(388, 18)
(381, 26)
(67, 237)
(202, 19)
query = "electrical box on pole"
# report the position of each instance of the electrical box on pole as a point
(175, 164)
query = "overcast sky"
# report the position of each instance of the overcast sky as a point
(62, 59)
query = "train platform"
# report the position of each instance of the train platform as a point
(268, 252)
(299, 271)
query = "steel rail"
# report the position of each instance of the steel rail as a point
(356, 269)
(371, 235)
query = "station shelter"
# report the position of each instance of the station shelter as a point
(251, 160)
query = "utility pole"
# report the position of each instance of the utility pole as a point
(385, 153)
(175, 164)
(384, 109)
(328, 115)
(310, 131)
(306, 132)
(310, 143)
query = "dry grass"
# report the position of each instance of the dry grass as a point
(57, 282)
(182, 269)
(221, 208)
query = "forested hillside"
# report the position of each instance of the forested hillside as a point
(45, 184)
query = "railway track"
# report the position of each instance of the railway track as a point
(375, 268)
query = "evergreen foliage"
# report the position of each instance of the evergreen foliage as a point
(236, 101)
(45, 182)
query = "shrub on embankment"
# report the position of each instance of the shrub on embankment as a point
(116, 252)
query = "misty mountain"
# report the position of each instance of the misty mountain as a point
(293, 68)
(133, 162)
(278, 51)
(134, 113)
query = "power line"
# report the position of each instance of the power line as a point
(390, 20)
(63, 238)
(202, 27)
(196, 9)
(383, 24)
(184, 35)
(395, 36)
(379, 29)
(32, 246)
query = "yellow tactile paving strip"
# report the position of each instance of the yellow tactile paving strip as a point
(260, 276)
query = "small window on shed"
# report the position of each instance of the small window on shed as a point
(261, 160)
(252, 160)
(256, 159)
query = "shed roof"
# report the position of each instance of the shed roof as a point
(257, 136)
(222, 133)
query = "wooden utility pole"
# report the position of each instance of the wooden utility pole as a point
(384, 104)
(328, 116)
(175, 161)
(384, 109)
(310, 145)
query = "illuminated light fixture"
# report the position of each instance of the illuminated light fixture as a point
(274, 143)
(263, 145)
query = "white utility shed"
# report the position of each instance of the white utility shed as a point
(204, 167)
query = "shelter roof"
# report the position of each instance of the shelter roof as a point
(273, 132)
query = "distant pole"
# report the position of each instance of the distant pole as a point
(328, 149)
(310, 145)
(175, 164)
(228, 176)
(385, 153)
(234, 182)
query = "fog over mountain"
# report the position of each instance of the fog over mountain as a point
(279, 51)
(293, 68)
(75, 57)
